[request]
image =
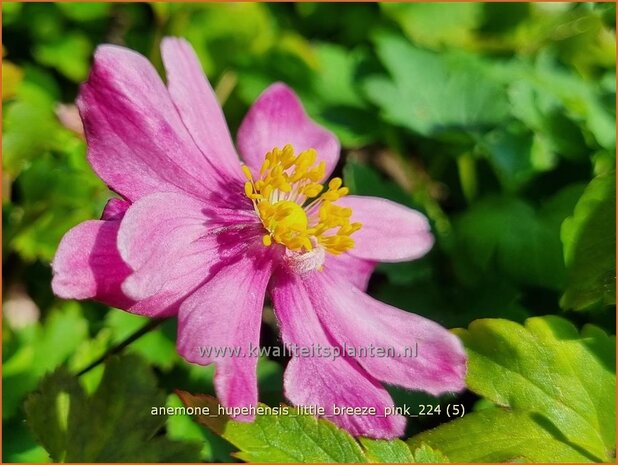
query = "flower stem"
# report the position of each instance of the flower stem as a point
(152, 324)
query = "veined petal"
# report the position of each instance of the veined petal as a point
(197, 104)
(171, 242)
(87, 264)
(225, 313)
(416, 353)
(354, 269)
(390, 231)
(278, 118)
(115, 209)
(136, 141)
(327, 381)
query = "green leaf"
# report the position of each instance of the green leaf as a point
(496, 435)
(218, 41)
(57, 191)
(516, 154)
(297, 438)
(41, 348)
(430, 93)
(580, 99)
(362, 179)
(182, 427)
(29, 125)
(380, 451)
(290, 438)
(156, 346)
(10, 11)
(69, 54)
(589, 238)
(334, 82)
(115, 424)
(19, 445)
(85, 11)
(565, 379)
(556, 103)
(506, 235)
(425, 454)
(336, 99)
(436, 24)
(88, 351)
(50, 410)
(545, 115)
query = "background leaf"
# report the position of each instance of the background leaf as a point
(493, 235)
(589, 238)
(115, 424)
(457, 91)
(39, 349)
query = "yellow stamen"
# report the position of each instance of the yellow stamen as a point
(286, 181)
(247, 172)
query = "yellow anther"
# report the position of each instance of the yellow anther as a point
(335, 184)
(285, 184)
(247, 172)
(248, 189)
(264, 167)
(312, 190)
(318, 172)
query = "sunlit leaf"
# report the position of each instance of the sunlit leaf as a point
(289, 438)
(85, 11)
(433, 93)
(437, 24)
(559, 379)
(496, 435)
(380, 451)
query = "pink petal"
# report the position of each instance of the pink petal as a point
(115, 209)
(197, 104)
(87, 264)
(327, 381)
(355, 270)
(417, 353)
(224, 313)
(278, 118)
(136, 141)
(390, 232)
(172, 242)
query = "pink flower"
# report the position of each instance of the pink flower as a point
(199, 235)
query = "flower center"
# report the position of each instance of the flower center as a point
(289, 200)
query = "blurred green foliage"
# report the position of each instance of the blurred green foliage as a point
(496, 120)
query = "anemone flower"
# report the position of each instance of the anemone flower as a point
(199, 234)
